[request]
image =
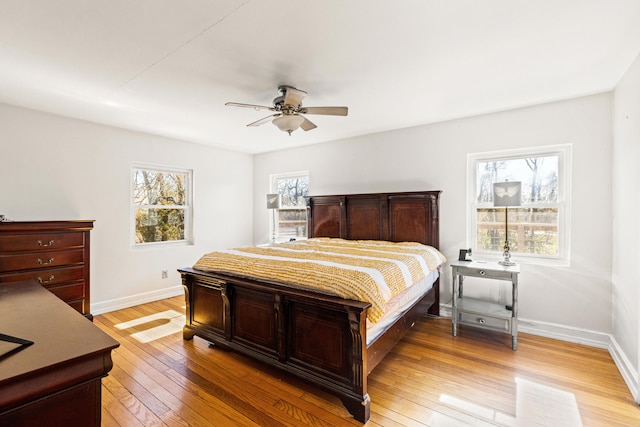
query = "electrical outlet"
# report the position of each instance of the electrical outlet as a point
(165, 274)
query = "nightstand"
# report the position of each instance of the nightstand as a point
(481, 313)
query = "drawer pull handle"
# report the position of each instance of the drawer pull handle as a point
(481, 321)
(41, 262)
(44, 282)
(45, 245)
(482, 272)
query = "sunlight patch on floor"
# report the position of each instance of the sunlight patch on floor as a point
(541, 405)
(171, 320)
(537, 405)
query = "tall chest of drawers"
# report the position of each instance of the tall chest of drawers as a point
(53, 253)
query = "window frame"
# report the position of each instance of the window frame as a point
(187, 207)
(563, 204)
(273, 186)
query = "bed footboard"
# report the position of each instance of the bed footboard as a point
(321, 339)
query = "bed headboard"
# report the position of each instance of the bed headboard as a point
(396, 217)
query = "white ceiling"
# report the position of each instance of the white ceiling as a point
(167, 66)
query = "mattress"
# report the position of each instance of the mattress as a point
(398, 305)
(363, 270)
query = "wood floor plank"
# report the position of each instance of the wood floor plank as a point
(197, 410)
(429, 379)
(267, 390)
(117, 410)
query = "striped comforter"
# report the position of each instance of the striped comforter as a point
(363, 270)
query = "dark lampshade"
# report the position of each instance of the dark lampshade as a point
(507, 193)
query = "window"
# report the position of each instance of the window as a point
(291, 218)
(539, 228)
(161, 209)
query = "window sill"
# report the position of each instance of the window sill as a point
(160, 245)
(526, 260)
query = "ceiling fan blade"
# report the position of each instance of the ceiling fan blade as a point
(255, 107)
(264, 120)
(293, 96)
(327, 111)
(307, 124)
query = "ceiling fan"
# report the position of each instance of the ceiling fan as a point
(288, 110)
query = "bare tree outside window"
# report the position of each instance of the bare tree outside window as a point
(292, 216)
(534, 227)
(161, 203)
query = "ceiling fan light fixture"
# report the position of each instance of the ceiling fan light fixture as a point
(288, 109)
(288, 122)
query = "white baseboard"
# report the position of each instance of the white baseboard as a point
(579, 336)
(445, 310)
(133, 300)
(625, 367)
(555, 331)
(565, 333)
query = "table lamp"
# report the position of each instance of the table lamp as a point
(274, 202)
(506, 194)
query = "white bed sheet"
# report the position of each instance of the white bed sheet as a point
(398, 305)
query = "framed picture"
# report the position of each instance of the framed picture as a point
(465, 255)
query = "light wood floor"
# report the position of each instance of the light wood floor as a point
(429, 379)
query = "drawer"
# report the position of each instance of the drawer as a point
(48, 259)
(487, 274)
(48, 276)
(485, 321)
(68, 292)
(77, 305)
(40, 241)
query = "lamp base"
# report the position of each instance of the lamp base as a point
(506, 256)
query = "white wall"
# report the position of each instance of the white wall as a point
(55, 168)
(572, 303)
(626, 223)
(58, 168)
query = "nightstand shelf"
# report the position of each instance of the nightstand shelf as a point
(481, 313)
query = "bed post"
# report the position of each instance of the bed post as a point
(187, 333)
(226, 304)
(280, 310)
(360, 406)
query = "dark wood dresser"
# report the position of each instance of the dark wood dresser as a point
(57, 380)
(53, 253)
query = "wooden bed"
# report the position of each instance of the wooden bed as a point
(317, 337)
